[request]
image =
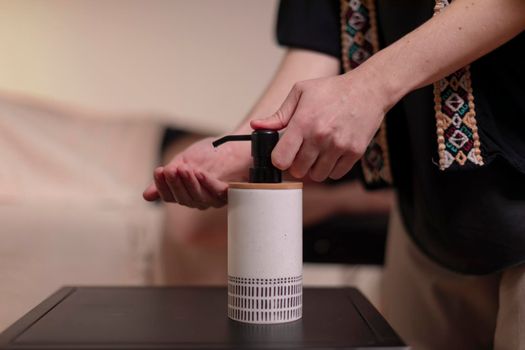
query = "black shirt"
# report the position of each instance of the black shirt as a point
(471, 221)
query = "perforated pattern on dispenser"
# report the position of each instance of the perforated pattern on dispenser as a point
(265, 300)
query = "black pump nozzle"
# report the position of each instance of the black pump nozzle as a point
(229, 138)
(263, 142)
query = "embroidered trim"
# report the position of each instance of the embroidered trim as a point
(456, 125)
(359, 41)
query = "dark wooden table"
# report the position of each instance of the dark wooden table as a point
(193, 318)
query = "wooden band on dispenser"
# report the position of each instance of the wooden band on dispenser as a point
(267, 186)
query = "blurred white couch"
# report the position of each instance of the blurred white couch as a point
(71, 210)
(71, 179)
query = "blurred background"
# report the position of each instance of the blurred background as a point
(87, 92)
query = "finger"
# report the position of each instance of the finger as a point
(186, 181)
(177, 187)
(343, 166)
(202, 198)
(162, 185)
(281, 118)
(305, 158)
(324, 165)
(215, 187)
(151, 194)
(286, 149)
(181, 185)
(207, 195)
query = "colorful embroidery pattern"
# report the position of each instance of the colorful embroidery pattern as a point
(359, 42)
(457, 131)
(358, 35)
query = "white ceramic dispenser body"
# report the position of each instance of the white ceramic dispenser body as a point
(265, 260)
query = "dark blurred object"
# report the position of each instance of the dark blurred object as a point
(171, 135)
(346, 239)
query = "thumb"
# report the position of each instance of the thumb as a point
(280, 119)
(151, 194)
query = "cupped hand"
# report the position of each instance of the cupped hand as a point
(197, 177)
(329, 123)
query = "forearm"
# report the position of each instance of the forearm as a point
(179, 146)
(297, 65)
(319, 203)
(349, 198)
(460, 34)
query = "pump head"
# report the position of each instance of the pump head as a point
(263, 142)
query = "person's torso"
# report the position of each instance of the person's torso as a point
(468, 220)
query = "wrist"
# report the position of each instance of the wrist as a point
(385, 83)
(237, 160)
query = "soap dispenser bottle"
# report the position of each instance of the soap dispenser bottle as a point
(264, 239)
